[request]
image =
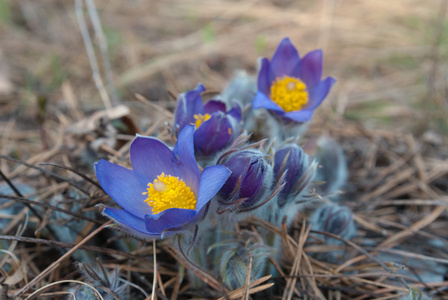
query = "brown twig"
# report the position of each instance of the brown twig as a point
(55, 264)
(67, 245)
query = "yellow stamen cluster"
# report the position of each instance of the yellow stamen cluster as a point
(169, 192)
(199, 119)
(289, 93)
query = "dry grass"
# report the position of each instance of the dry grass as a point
(388, 110)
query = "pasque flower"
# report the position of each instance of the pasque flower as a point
(334, 219)
(290, 86)
(333, 165)
(241, 88)
(251, 183)
(251, 178)
(291, 162)
(165, 190)
(337, 220)
(215, 127)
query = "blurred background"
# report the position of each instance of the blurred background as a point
(389, 57)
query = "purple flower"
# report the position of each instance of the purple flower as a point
(215, 127)
(289, 86)
(250, 180)
(291, 162)
(165, 191)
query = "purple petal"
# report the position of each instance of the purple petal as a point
(214, 106)
(253, 178)
(212, 179)
(294, 165)
(150, 157)
(319, 92)
(133, 225)
(237, 165)
(286, 59)
(124, 186)
(265, 77)
(311, 68)
(235, 112)
(299, 115)
(180, 114)
(188, 170)
(213, 135)
(188, 105)
(167, 219)
(262, 101)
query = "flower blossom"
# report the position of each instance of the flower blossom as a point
(215, 127)
(165, 191)
(289, 86)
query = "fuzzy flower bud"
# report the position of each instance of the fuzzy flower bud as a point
(333, 166)
(334, 219)
(337, 220)
(250, 180)
(241, 88)
(295, 164)
(234, 255)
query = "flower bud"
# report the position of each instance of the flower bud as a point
(333, 166)
(337, 220)
(334, 219)
(233, 256)
(250, 180)
(291, 161)
(241, 88)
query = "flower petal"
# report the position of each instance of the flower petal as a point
(285, 59)
(214, 106)
(168, 219)
(188, 169)
(124, 186)
(213, 135)
(262, 101)
(212, 179)
(318, 94)
(253, 178)
(135, 226)
(311, 68)
(150, 157)
(299, 115)
(189, 104)
(180, 114)
(235, 112)
(265, 77)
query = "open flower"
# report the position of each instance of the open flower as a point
(165, 190)
(215, 127)
(290, 86)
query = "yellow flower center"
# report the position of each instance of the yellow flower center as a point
(199, 119)
(169, 192)
(289, 93)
